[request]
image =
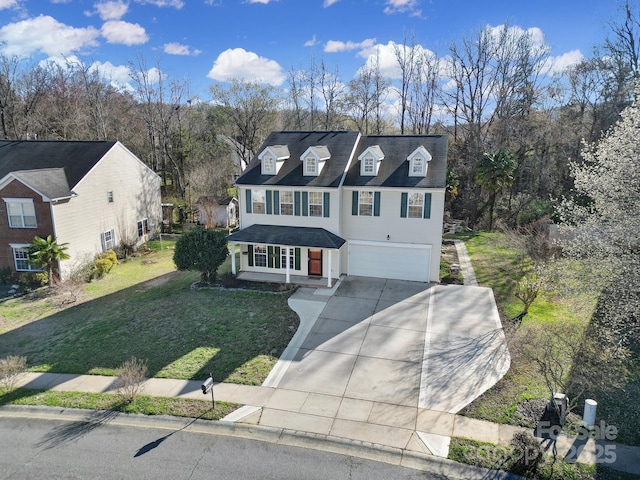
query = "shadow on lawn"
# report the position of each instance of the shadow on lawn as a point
(164, 322)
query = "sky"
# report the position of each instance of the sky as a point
(210, 41)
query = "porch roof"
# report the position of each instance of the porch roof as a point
(289, 236)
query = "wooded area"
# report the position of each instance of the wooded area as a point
(496, 93)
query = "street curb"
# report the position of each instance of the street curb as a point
(338, 445)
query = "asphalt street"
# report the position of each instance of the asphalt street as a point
(36, 448)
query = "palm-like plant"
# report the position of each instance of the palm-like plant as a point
(46, 252)
(495, 171)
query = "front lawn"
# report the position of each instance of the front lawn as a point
(146, 309)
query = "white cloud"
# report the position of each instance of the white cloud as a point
(175, 48)
(412, 7)
(125, 33)
(560, 63)
(264, 2)
(238, 63)
(112, 10)
(335, 46)
(8, 4)
(117, 75)
(162, 3)
(537, 37)
(328, 3)
(45, 34)
(385, 56)
(311, 43)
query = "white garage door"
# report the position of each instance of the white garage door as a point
(385, 260)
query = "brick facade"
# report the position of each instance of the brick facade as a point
(16, 189)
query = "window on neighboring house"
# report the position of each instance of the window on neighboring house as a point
(258, 201)
(283, 258)
(143, 227)
(368, 166)
(416, 205)
(417, 166)
(311, 165)
(21, 259)
(108, 240)
(260, 256)
(286, 203)
(365, 203)
(21, 212)
(110, 197)
(315, 204)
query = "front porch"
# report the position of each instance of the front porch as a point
(302, 280)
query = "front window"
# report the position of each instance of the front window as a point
(286, 203)
(283, 258)
(365, 203)
(416, 204)
(22, 213)
(260, 256)
(368, 168)
(22, 261)
(311, 165)
(108, 240)
(258, 201)
(315, 204)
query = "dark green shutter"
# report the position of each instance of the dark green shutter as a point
(305, 204)
(325, 204)
(277, 257)
(248, 198)
(250, 255)
(297, 259)
(403, 205)
(296, 203)
(269, 202)
(354, 203)
(427, 205)
(376, 204)
(276, 202)
(270, 256)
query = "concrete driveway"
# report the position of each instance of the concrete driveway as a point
(401, 343)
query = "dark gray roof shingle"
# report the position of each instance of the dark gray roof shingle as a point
(291, 236)
(339, 144)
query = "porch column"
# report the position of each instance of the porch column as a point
(233, 258)
(329, 275)
(287, 269)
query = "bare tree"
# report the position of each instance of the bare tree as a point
(406, 59)
(332, 90)
(423, 92)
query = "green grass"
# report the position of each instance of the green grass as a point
(500, 457)
(144, 308)
(142, 404)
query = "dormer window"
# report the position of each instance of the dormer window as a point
(370, 160)
(418, 162)
(272, 158)
(313, 160)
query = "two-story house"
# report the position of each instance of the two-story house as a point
(91, 195)
(329, 203)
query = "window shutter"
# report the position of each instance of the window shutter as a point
(404, 198)
(296, 203)
(277, 257)
(250, 255)
(276, 202)
(376, 204)
(305, 204)
(354, 203)
(427, 205)
(248, 197)
(325, 204)
(103, 242)
(269, 200)
(270, 256)
(297, 259)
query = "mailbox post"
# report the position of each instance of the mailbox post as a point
(207, 386)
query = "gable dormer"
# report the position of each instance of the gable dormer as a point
(418, 162)
(272, 158)
(313, 160)
(370, 161)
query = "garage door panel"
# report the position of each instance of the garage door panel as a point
(404, 263)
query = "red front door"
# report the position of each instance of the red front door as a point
(315, 262)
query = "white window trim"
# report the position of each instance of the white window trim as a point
(321, 204)
(268, 165)
(409, 205)
(143, 224)
(417, 161)
(309, 160)
(287, 203)
(21, 202)
(361, 203)
(283, 258)
(112, 242)
(254, 194)
(368, 165)
(22, 246)
(261, 254)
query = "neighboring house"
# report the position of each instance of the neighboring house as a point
(217, 212)
(329, 203)
(91, 195)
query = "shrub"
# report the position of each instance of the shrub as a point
(131, 375)
(6, 274)
(101, 267)
(202, 250)
(33, 279)
(12, 368)
(528, 453)
(111, 256)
